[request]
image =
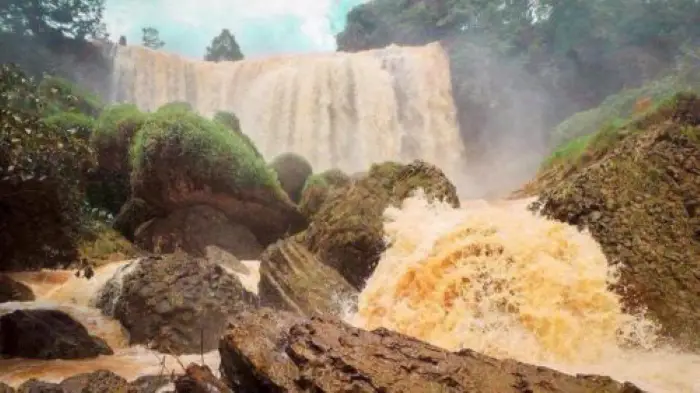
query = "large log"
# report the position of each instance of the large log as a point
(271, 351)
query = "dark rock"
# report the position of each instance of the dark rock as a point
(149, 384)
(36, 386)
(47, 334)
(267, 351)
(194, 228)
(175, 303)
(292, 171)
(14, 291)
(199, 379)
(293, 279)
(132, 214)
(101, 381)
(6, 389)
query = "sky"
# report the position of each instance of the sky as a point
(261, 27)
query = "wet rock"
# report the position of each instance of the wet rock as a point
(633, 198)
(132, 214)
(318, 189)
(36, 386)
(199, 379)
(101, 381)
(293, 279)
(194, 228)
(347, 233)
(292, 171)
(6, 389)
(47, 334)
(14, 291)
(175, 303)
(268, 351)
(149, 384)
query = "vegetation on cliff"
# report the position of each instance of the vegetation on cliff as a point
(231, 121)
(637, 192)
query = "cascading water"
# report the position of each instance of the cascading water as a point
(336, 109)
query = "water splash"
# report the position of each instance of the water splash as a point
(499, 280)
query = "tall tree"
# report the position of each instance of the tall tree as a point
(151, 38)
(77, 19)
(224, 48)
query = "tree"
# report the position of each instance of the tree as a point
(224, 48)
(151, 38)
(77, 19)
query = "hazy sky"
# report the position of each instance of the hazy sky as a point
(260, 26)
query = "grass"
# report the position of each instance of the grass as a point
(112, 118)
(212, 152)
(66, 96)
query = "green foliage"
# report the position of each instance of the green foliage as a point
(212, 153)
(41, 177)
(47, 19)
(151, 38)
(73, 123)
(64, 96)
(176, 106)
(224, 48)
(231, 122)
(116, 122)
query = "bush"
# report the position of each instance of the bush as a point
(176, 106)
(78, 124)
(231, 122)
(41, 179)
(206, 150)
(63, 96)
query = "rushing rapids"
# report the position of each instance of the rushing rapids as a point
(336, 109)
(489, 276)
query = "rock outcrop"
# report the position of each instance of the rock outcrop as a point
(347, 232)
(293, 279)
(132, 215)
(641, 202)
(318, 188)
(175, 303)
(181, 159)
(267, 351)
(47, 334)
(193, 229)
(14, 291)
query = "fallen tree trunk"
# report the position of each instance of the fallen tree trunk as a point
(267, 351)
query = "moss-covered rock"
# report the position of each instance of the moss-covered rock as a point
(292, 171)
(232, 123)
(347, 232)
(109, 187)
(103, 245)
(181, 159)
(176, 106)
(640, 200)
(317, 189)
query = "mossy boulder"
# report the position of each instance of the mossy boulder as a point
(231, 122)
(640, 199)
(176, 106)
(109, 185)
(347, 232)
(292, 171)
(181, 159)
(317, 189)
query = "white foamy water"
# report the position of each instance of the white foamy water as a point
(497, 279)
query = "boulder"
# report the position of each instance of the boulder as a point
(199, 379)
(6, 388)
(174, 303)
(347, 232)
(36, 386)
(180, 159)
(640, 201)
(14, 291)
(47, 334)
(268, 351)
(193, 229)
(101, 381)
(293, 279)
(292, 171)
(318, 188)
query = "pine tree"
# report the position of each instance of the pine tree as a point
(151, 38)
(224, 48)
